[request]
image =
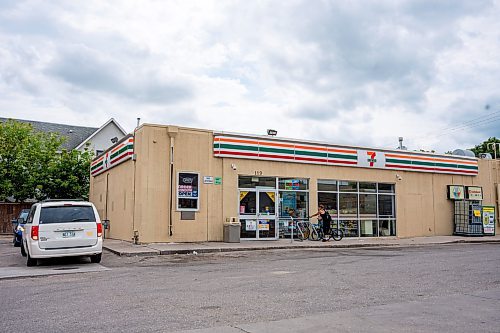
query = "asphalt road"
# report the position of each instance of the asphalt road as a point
(452, 288)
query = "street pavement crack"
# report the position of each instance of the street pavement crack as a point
(239, 328)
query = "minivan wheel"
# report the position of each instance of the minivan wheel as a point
(23, 251)
(95, 259)
(30, 261)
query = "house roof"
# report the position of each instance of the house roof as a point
(75, 135)
(112, 120)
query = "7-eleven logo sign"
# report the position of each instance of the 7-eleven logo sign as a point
(371, 157)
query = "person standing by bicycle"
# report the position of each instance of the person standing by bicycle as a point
(325, 219)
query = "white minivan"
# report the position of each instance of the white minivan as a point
(56, 228)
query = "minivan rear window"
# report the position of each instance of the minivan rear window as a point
(67, 214)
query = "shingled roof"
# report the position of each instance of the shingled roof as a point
(74, 134)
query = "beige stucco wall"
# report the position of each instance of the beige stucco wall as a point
(117, 204)
(421, 205)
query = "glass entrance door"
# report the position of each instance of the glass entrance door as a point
(258, 213)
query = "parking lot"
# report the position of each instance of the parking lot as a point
(445, 288)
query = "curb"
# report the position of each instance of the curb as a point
(132, 254)
(151, 252)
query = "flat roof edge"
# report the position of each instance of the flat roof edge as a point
(292, 140)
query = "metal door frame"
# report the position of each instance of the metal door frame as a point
(257, 215)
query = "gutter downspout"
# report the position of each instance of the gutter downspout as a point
(134, 159)
(172, 132)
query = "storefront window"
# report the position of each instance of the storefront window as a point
(253, 182)
(349, 227)
(293, 194)
(327, 185)
(247, 203)
(293, 184)
(267, 228)
(348, 205)
(369, 228)
(345, 186)
(386, 205)
(329, 200)
(248, 228)
(387, 227)
(368, 187)
(368, 205)
(364, 209)
(188, 185)
(267, 203)
(385, 188)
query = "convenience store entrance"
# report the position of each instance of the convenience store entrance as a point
(257, 213)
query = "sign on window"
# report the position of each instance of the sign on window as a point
(188, 186)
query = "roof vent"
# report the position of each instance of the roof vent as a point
(463, 152)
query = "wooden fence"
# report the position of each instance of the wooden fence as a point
(8, 212)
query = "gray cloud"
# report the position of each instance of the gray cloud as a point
(296, 62)
(88, 69)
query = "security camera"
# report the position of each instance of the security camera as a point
(398, 177)
(233, 166)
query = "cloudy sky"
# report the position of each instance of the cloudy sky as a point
(347, 72)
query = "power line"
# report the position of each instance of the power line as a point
(465, 124)
(481, 123)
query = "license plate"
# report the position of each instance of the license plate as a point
(68, 234)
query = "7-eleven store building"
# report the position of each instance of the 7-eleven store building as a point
(174, 184)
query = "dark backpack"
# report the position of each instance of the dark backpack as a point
(328, 217)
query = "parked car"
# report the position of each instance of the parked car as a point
(58, 228)
(18, 226)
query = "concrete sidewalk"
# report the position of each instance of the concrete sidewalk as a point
(123, 248)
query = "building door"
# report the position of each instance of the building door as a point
(258, 213)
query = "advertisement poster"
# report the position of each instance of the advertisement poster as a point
(489, 220)
(289, 201)
(251, 225)
(456, 192)
(263, 225)
(187, 185)
(474, 193)
(292, 184)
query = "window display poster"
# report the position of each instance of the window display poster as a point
(289, 202)
(292, 184)
(263, 225)
(187, 185)
(250, 225)
(489, 220)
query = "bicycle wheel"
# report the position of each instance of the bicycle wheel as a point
(314, 234)
(321, 235)
(300, 232)
(306, 232)
(337, 234)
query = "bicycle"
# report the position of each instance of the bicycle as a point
(303, 230)
(317, 234)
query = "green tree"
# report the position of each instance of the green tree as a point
(483, 147)
(24, 156)
(32, 167)
(69, 175)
